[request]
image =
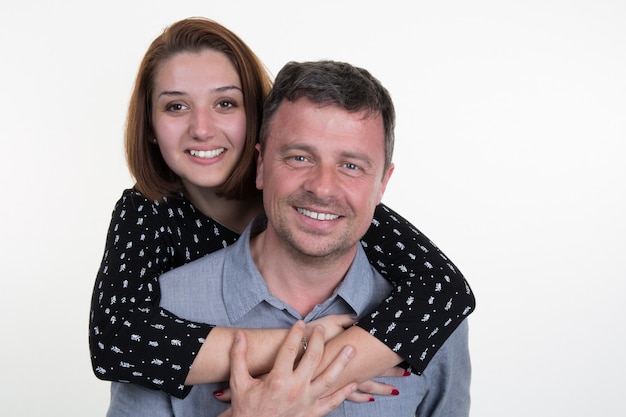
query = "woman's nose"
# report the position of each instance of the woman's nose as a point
(202, 125)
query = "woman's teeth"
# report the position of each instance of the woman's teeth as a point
(207, 154)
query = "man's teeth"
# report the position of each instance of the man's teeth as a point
(317, 216)
(207, 154)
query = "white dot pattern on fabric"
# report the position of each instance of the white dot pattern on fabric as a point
(133, 340)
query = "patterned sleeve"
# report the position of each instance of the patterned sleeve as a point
(430, 296)
(131, 339)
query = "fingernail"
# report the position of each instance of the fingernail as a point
(406, 373)
(395, 392)
(371, 399)
(349, 351)
(218, 393)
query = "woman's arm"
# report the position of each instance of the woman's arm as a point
(132, 339)
(213, 361)
(430, 296)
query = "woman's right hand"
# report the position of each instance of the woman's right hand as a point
(333, 324)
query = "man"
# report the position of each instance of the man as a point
(324, 162)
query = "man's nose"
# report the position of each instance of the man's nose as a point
(322, 181)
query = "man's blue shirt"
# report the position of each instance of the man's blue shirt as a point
(226, 289)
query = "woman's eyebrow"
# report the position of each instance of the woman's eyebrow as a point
(175, 93)
(226, 88)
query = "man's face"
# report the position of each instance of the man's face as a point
(321, 176)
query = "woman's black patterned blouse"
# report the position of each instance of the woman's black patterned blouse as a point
(131, 339)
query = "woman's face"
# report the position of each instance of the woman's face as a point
(199, 117)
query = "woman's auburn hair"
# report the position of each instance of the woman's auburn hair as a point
(154, 178)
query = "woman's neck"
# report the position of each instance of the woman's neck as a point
(233, 214)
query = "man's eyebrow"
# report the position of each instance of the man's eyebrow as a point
(357, 155)
(365, 159)
(296, 147)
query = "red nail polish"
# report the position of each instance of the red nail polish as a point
(371, 399)
(218, 393)
(406, 373)
(395, 392)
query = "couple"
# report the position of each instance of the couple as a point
(324, 161)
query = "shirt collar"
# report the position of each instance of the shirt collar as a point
(359, 283)
(244, 287)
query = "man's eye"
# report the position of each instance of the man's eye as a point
(300, 158)
(352, 167)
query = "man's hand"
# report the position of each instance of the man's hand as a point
(285, 391)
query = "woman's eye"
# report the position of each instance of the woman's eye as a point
(225, 104)
(175, 107)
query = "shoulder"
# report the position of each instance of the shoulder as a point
(198, 269)
(133, 203)
(362, 267)
(193, 287)
(363, 279)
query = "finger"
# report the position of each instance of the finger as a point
(239, 372)
(329, 403)
(225, 395)
(328, 378)
(334, 321)
(312, 356)
(360, 397)
(377, 388)
(347, 320)
(288, 352)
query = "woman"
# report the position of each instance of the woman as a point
(192, 124)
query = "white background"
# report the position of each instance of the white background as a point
(510, 156)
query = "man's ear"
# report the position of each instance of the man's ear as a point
(385, 180)
(259, 167)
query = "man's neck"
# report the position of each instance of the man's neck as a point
(301, 281)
